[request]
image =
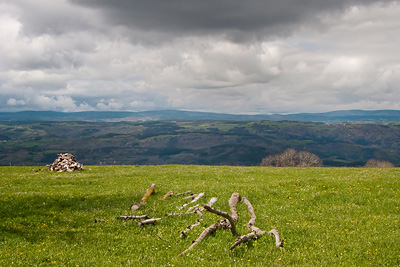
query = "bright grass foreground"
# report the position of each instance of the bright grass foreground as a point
(326, 216)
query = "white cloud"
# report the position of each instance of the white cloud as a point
(15, 102)
(68, 57)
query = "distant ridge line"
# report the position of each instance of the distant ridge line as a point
(104, 116)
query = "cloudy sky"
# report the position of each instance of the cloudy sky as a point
(231, 56)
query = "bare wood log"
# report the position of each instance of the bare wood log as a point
(277, 237)
(148, 193)
(225, 215)
(149, 221)
(127, 217)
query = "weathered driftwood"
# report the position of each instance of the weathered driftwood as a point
(148, 193)
(277, 237)
(149, 221)
(65, 163)
(128, 217)
(198, 211)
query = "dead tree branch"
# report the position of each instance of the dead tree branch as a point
(100, 220)
(250, 225)
(277, 237)
(170, 193)
(148, 193)
(184, 193)
(252, 221)
(193, 201)
(233, 201)
(149, 221)
(127, 217)
(198, 211)
(210, 229)
(225, 215)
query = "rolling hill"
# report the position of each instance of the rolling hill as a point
(328, 117)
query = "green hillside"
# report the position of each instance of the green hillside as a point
(326, 216)
(208, 142)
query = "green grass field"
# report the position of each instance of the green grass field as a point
(326, 216)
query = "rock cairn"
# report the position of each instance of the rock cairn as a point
(65, 163)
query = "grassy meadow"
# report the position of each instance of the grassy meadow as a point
(326, 216)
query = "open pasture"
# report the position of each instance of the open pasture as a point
(326, 216)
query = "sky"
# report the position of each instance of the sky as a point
(226, 56)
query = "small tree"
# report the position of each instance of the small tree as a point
(292, 158)
(374, 163)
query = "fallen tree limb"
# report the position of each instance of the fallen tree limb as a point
(184, 193)
(230, 223)
(193, 201)
(148, 193)
(252, 221)
(210, 229)
(277, 237)
(149, 221)
(199, 211)
(191, 196)
(100, 220)
(233, 201)
(170, 193)
(250, 225)
(243, 239)
(127, 217)
(225, 215)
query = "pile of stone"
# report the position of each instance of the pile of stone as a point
(65, 163)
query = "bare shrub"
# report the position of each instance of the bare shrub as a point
(374, 163)
(292, 158)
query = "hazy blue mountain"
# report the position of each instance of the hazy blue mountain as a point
(329, 117)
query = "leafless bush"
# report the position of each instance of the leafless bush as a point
(374, 163)
(292, 158)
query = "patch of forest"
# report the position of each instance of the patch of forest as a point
(237, 143)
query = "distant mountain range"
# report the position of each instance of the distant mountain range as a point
(327, 117)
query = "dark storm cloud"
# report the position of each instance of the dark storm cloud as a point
(193, 17)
